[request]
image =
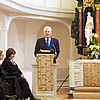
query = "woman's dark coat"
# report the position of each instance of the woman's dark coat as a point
(20, 84)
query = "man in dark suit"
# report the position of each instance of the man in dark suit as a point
(48, 43)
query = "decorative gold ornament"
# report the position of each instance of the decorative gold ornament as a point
(88, 3)
(97, 6)
(80, 45)
(79, 9)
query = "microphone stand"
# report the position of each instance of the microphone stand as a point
(62, 83)
(55, 51)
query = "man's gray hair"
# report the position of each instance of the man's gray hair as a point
(48, 27)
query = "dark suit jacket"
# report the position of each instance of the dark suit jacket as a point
(41, 44)
(2, 72)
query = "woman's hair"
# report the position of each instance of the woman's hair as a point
(1, 52)
(10, 51)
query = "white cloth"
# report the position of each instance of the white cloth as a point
(1, 62)
(13, 62)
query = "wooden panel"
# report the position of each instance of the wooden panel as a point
(45, 72)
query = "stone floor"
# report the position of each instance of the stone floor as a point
(62, 95)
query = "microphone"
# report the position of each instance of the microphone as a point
(55, 51)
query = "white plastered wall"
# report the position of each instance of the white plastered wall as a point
(22, 36)
(61, 32)
(3, 33)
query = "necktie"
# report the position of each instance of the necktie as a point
(47, 43)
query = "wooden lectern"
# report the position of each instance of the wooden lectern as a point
(45, 77)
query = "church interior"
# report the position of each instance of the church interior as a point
(76, 24)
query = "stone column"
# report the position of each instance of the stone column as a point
(3, 38)
(98, 21)
(80, 25)
(4, 27)
(3, 33)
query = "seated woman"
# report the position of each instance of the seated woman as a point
(11, 69)
(5, 88)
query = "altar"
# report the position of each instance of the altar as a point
(85, 29)
(84, 73)
(84, 79)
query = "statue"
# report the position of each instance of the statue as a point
(88, 28)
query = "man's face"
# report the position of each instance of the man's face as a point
(47, 32)
(1, 57)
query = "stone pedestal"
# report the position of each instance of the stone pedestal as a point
(44, 95)
(84, 73)
(84, 80)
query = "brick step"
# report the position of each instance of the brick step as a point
(86, 95)
(87, 89)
